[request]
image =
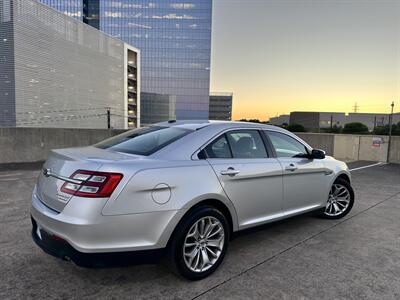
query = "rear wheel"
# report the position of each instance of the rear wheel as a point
(200, 243)
(340, 200)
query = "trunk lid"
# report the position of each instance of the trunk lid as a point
(63, 163)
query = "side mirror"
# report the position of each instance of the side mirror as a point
(317, 154)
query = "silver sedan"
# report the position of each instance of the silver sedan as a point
(183, 188)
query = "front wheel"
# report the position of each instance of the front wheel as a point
(200, 243)
(340, 200)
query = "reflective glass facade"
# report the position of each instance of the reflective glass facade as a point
(72, 8)
(175, 41)
(58, 72)
(156, 108)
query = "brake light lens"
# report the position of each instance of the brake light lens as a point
(93, 184)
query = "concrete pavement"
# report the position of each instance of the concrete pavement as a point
(304, 257)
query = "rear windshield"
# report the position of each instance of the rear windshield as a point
(143, 141)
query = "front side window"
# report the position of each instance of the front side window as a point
(286, 146)
(237, 144)
(143, 141)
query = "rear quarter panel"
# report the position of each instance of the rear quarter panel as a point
(171, 187)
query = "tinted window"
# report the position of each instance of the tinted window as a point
(219, 148)
(286, 146)
(247, 144)
(143, 141)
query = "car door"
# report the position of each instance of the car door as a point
(304, 179)
(251, 178)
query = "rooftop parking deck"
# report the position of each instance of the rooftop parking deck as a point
(303, 257)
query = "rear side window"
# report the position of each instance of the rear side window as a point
(143, 141)
(219, 148)
(247, 144)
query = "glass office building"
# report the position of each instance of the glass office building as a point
(72, 8)
(174, 37)
(59, 72)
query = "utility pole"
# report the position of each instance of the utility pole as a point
(355, 107)
(108, 118)
(331, 122)
(374, 123)
(390, 131)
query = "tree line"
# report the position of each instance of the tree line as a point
(349, 128)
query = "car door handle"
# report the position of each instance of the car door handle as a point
(230, 172)
(291, 167)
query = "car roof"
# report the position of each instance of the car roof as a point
(185, 147)
(197, 124)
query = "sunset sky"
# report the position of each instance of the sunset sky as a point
(281, 56)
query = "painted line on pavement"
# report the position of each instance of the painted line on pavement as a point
(368, 166)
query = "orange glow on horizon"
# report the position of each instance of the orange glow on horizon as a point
(263, 110)
(286, 56)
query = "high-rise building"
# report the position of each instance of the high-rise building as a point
(58, 72)
(174, 38)
(221, 106)
(157, 108)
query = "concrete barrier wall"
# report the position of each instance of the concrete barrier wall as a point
(360, 147)
(25, 145)
(370, 152)
(346, 147)
(351, 147)
(394, 156)
(320, 141)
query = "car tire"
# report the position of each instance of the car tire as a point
(340, 200)
(199, 243)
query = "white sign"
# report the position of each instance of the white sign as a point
(377, 141)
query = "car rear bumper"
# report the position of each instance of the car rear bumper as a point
(87, 231)
(55, 246)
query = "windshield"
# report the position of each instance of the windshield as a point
(143, 141)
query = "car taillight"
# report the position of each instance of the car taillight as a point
(92, 184)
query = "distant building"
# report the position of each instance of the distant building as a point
(157, 108)
(220, 107)
(173, 36)
(372, 120)
(56, 71)
(316, 120)
(321, 120)
(279, 120)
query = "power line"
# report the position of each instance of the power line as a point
(127, 117)
(54, 111)
(57, 119)
(67, 110)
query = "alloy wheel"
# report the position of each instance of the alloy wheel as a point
(203, 244)
(338, 201)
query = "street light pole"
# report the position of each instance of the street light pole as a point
(390, 131)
